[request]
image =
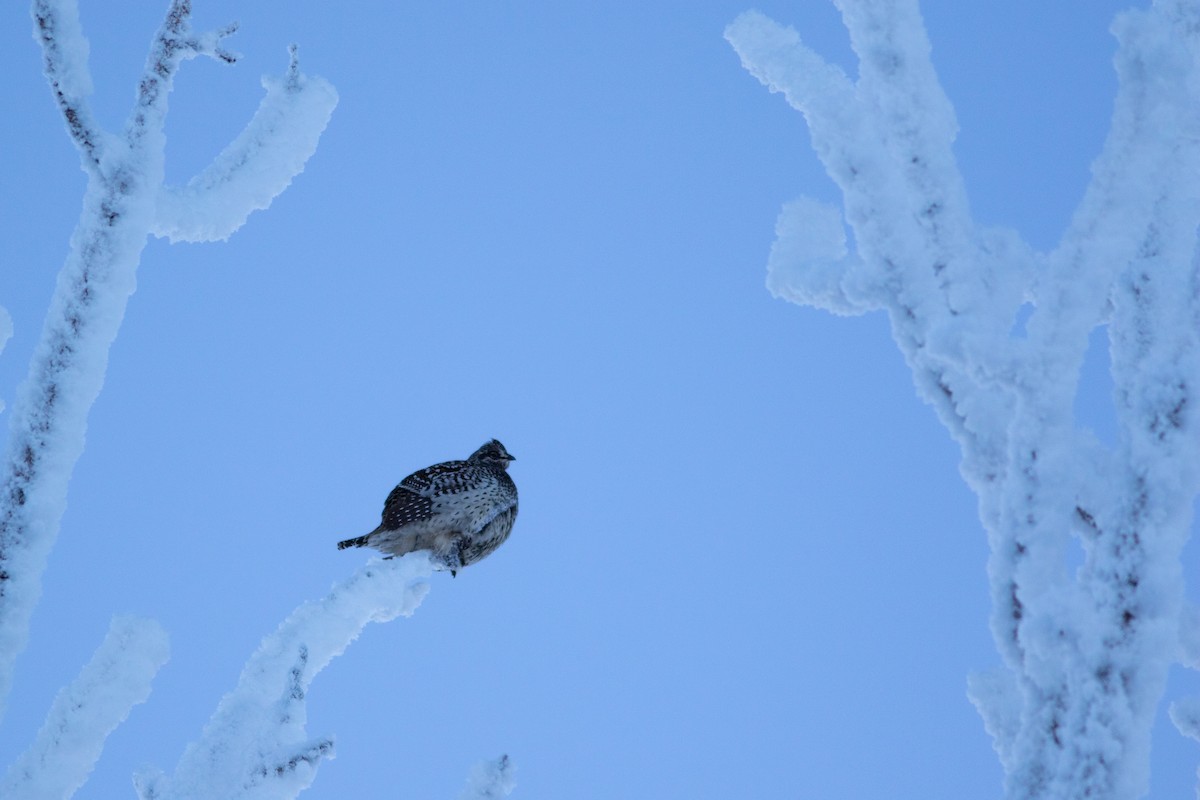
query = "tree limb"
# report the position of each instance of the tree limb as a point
(255, 746)
(64, 59)
(256, 166)
(85, 712)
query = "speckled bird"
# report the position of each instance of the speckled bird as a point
(460, 511)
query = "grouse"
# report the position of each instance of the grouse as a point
(460, 511)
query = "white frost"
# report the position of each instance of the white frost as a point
(1185, 713)
(256, 167)
(490, 779)
(6, 332)
(48, 421)
(68, 49)
(84, 713)
(1085, 650)
(255, 745)
(810, 239)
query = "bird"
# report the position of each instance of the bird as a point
(460, 511)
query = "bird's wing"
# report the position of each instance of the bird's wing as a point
(404, 506)
(446, 478)
(412, 499)
(432, 480)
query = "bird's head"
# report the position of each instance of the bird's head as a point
(493, 452)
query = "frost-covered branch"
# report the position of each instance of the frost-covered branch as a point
(6, 332)
(490, 779)
(173, 43)
(84, 713)
(255, 167)
(1085, 654)
(919, 255)
(65, 52)
(125, 176)
(255, 745)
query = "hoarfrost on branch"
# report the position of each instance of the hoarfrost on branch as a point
(125, 202)
(125, 179)
(1085, 653)
(85, 712)
(255, 743)
(490, 779)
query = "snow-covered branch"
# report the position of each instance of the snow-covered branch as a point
(255, 745)
(885, 136)
(84, 713)
(1085, 654)
(6, 332)
(174, 43)
(65, 53)
(885, 140)
(256, 167)
(125, 176)
(490, 779)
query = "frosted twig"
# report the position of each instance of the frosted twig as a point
(64, 58)
(85, 712)
(903, 198)
(66, 373)
(490, 780)
(173, 43)
(1085, 654)
(256, 166)
(255, 745)
(6, 331)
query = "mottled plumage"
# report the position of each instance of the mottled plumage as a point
(460, 511)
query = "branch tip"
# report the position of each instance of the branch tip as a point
(293, 70)
(209, 44)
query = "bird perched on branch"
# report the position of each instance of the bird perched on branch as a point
(460, 511)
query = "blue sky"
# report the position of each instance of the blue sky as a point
(745, 564)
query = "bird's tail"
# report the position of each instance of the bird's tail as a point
(357, 541)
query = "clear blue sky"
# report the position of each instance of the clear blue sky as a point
(745, 565)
